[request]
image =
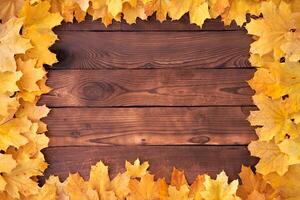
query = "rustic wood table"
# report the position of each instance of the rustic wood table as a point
(168, 93)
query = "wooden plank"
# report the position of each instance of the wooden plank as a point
(137, 50)
(106, 88)
(150, 25)
(150, 126)
(194, 160)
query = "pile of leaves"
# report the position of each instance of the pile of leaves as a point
(25, 37)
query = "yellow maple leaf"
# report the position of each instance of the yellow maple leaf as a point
(146, 189)
(11, 132)
(10, 9)
(77, 189)
(8, 107)
(100, 181)
(8, 82)
(46, 192)
(217, 7)
(278, 118)
(199, 12)
(114, 7)
(99, 10)
(120, 185)
(179, 194)
(158, 6)
(272, 159)
(197, 187)
(277, 79)
(288, 184)
(136, 169)
(238, 11)
(20, 180)
(31, 74)
(32, 111)
(11, 44)
(291, 147)
(254, 187)
(37, 28)
(219, 189)
(132, 13)
(177, 8)
(272, 29)
(7, 164)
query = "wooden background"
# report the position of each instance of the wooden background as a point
(168, 93)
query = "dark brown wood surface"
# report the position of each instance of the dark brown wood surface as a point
(169, 93)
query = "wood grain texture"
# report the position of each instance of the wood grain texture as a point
(140, 50)
(150, 126)
(193, 159)
(150, 25)
(106, 88)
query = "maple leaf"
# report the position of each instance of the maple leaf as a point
(11, 44)
(8, 82)
(146, 189)
(37, 28)
(177, 8)
(7, 164)
(162, 189)
(277, 79)
(20, 180)
(197, 187)
(78, 189)
(11, 132)
(178, 178)
(291, 147)
(32, 96)
(272, 29)
(158, 6)
(120, 185)
(114, 7)
(254, 187)
(46, 192)
(288, 184)
(32, 111)
(137, 169)
(8, 107)
(100, 181)
(99, 9)
(272, 159)
(238, 11)
(278, 118)
(10, 9)
(179, 194)
(217, 7)
(219, 189)
(31, 74)
(199, 12)
(132, 13)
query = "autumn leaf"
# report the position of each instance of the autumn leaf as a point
(160, 7)
(254, 187)
(132, 13)
(272, 29)
(178, 178)
(78, 189)
(219, 189)
(177, 8)
(11, 44)
(100, 181)
(287, 184)
(197, 187)
(10, 9)
(146, 189)
(272, 158)
(11, 132)
(136, 169)
(199, 12)
(7, 164)
(178, 194)
(277, 118)
(37, 28)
